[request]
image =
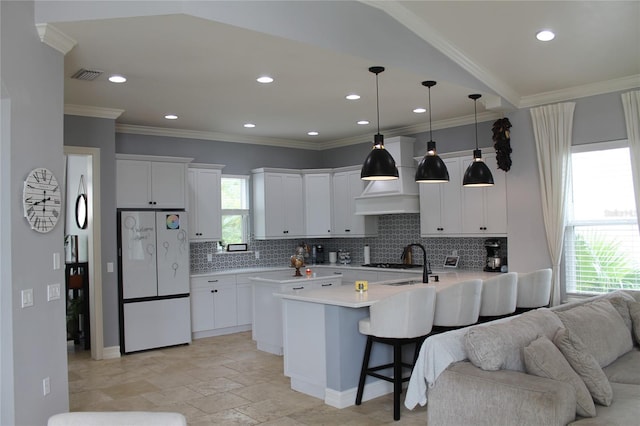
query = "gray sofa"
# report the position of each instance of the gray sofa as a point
(577, 363)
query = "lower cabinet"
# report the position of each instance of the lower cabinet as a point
(215, 306)
(244, 299)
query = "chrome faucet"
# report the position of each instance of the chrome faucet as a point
(426, 266)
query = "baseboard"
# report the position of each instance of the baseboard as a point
(344, 399)
(220, 331)
(111, 352)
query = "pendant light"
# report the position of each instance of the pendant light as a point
(379, 164)
(477, 174)
(431, 168)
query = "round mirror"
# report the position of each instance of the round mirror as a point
(81, 211)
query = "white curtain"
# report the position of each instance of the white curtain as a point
(552, 127)
(631, 104)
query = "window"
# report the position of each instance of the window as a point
(235, 209)
(602, 243)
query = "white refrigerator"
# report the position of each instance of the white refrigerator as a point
(153, 271)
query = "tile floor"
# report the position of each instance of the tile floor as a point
(221, 380)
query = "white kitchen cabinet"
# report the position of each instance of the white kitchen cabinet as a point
(244, 299)
(278, 204)
(267, 314)
(204, 202)
(151, 182)
(440, 204)
(213, 303)
(484, 210)
(346, 186)
(449, 209)
(317, 204)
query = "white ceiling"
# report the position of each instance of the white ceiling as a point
(199, 60)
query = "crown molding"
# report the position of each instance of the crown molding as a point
(423, 30)
(53, 37)
(599, 88)
(92, 111)
(214, 136)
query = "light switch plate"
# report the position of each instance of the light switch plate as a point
(27, 297)
(53, 292)
(109, 266)
(209, 257)
(56, 261)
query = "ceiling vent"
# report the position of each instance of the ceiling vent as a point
(88, 75)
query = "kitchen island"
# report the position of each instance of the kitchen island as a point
(323, 348)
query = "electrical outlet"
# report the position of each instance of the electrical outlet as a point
(46, 386)
(109, 266)
(454, 253)
(56, 261)
(53, 292)
(27, 297)
(209, 257)
(257, 253)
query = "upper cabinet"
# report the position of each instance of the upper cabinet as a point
(449, 209)
(205, 223)
(346, 186)
(440, 203)
(317, 203)
(484, 210)
(278, 204)
(151, 182)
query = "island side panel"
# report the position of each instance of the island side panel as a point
(344, 352)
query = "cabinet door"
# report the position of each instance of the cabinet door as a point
(168, 185)
(440, 204)
(274, 209)
(204, 204)
(317, 204)
(293, 204)
(133, 183)
(347, 186)
(224, 304)
(431, 209)
(244, 302)
(496, 199)
(202, 308)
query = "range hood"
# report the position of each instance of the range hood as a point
(393, 196)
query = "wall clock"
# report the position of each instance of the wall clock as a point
(41, 200)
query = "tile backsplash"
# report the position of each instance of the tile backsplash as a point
(394, 233)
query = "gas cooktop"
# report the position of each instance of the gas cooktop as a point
(392, 265)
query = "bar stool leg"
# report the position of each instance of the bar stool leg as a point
(363, 371)
(397, 378)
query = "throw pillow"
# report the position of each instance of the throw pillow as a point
(585, 365)
(621, 305)
(634, 313)
(499, 346)
(601, 328)
(542, 358)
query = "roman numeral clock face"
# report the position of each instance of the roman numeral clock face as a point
(41, 200)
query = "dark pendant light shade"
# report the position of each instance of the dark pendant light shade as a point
(379, 164)
(431, 168)
(477, 174)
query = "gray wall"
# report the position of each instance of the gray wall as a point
(100, 133)
(34, 345)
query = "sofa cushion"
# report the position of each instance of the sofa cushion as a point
(585, 365)
(625, 369)
(624, 411)
(499, 345)
(601, 328)
(634, 313)
(621, 305)
(543, 359)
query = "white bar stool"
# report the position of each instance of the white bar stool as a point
(499, 296)
(534, 290)
(398, 320)
(458, 305)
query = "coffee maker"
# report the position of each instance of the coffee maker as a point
(318, 250)
(494, 261)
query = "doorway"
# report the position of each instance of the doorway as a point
(90, 158)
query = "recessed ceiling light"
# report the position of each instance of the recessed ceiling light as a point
(249, 125)
(171, 117)
(545, 35)
(116, 78)
(312, 133)
(264, 79)
(353, 97)
(420, 110)
(363, 122)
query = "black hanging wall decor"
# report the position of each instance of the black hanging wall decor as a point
(502, 145)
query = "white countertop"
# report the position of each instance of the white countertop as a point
(287, 276)
(347, 296)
